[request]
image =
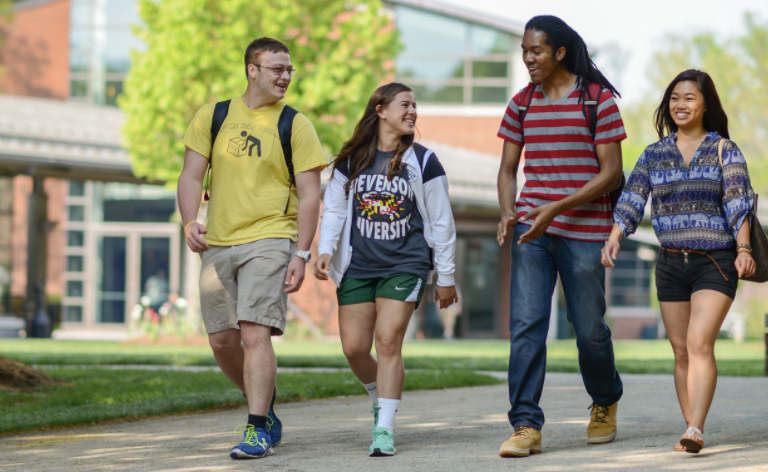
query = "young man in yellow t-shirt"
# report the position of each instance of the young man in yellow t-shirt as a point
(260, 227)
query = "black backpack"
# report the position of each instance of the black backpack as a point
(589, 107)
(284, 130)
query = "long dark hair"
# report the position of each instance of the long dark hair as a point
(715, 118)
(577, 59)
(360, 151)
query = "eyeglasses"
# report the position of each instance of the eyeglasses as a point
(278, 71)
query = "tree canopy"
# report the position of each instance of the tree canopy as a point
(342, 49)
(739, 68)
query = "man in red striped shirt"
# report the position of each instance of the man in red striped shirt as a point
(559, 224)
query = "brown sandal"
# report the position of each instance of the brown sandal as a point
(691, 442)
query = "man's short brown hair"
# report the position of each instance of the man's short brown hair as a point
(258, 46)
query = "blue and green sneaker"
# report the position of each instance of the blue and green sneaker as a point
(375, 412)
(383, 443)
(274, 425)
(256, 444)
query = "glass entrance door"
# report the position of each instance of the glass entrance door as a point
(155, 265)
(478, 268)
(111, 279)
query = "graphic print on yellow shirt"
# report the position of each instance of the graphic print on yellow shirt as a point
(250, 182)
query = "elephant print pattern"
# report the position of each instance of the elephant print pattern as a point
(700, 207)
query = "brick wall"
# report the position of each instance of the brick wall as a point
(470, 132)
(35, 51)
(56, 191)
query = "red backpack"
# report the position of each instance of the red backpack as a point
(589, 108)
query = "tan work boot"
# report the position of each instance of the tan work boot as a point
(526, 440)
(602, 425)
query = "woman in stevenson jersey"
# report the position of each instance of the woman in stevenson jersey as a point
(386, 226)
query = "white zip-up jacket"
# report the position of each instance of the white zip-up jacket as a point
(430, 187)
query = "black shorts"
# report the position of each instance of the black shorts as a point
(676, 280)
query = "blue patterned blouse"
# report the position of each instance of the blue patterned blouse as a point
(700, 207)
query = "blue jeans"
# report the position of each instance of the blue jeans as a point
(535, 267)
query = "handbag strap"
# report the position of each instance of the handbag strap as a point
(720, 150)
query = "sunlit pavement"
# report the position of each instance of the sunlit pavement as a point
(457, 429)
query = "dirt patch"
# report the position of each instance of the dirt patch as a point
(17, 376)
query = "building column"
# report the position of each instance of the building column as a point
(38, 321)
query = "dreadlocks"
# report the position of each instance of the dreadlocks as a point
(576, 60)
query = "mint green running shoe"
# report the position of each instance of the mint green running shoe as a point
(383, 443)
(375, 412)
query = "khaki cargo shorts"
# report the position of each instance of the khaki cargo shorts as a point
(245, 283)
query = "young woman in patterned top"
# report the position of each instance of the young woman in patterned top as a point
(699, 210)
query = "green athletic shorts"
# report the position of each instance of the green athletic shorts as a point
(403, 287)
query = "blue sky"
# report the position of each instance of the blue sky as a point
(638, 27)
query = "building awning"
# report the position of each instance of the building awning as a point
(69, 140)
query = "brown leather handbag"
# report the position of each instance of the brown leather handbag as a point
(757, 237)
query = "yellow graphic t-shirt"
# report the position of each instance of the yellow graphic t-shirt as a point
(249, 178)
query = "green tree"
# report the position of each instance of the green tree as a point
(739, 67)
(342, 49)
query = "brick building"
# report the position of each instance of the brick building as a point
(64, 63)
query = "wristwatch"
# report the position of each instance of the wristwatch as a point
(306, 255)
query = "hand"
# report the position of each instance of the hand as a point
(506, 222)
(322, 265)
(295, 275)
(745, 265)
(542, 217)
(194, 235)
(447, 296)
(609, 253)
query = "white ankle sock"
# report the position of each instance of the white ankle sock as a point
(371, 388)
(387, 411)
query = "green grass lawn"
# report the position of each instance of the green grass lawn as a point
(744, 359)
(98, 395)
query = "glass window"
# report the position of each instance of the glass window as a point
(117, 50)
(489, 69)
(79, 38)
(489, 41)
(76, 213)
(489, 95)
(428, 33)
(75, 238)
(76, 188)
(78, 88)
(430, 68)
(73, 314)
(74, 263)
(122, 12)
(113, 91)
(439, 93)
(80, 13)
(79, 62)
(74, 288)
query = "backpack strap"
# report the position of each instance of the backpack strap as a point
(589, 105)
(285, 130)
(526, 97)
(219, 115)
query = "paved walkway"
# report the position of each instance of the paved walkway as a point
(458, 429)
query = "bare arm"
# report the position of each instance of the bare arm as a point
(607, 179)
(745, 265)
(308, 190)
(189, 193)
(507, 186)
